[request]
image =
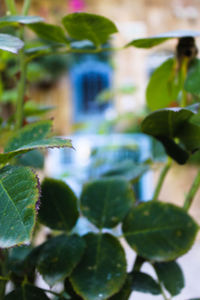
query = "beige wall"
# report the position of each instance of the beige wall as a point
(134, 18)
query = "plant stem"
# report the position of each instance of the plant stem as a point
(21, 85)
(162, 291)
(71, 50)
(3, 279)
(11, 7)
(26, 7)
(23, 70)
(161, 179)
(138, 263)
(192, 192)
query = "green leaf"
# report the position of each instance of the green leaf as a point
(19, 194)
(170, 274)
(166, 122)
(152, 41)
(40, 144)
(85, 26)
(192, 82)
(125, 291)
(29, 134)
(170, 123)
(147, 42)
(27, 292)
(16, 259)
(31, 260)
(31, 109)
(105, 202)
(10, 43)
(174, 150)
(15, 20)
(144, 283)
(34, 159)
(59, 257)
(164, 86)
(49, 32)
(102, 270)
(128, 169)
(159, 231)
(29, 138)
(190, 136)
(58, 205)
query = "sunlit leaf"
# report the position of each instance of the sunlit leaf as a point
(192, 83)
(152, 41)
(15, 20)
(10, 43)
(49, 32)
(164, 86)
(85, 26)
(19, 194)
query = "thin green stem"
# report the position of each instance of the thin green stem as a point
(192, 192)
(21, 85)
(3, 278)
(161, 179)
(138, 263)
(162, 291)
(70, 51)
(26, 7)
(11, 7)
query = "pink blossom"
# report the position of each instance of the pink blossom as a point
(76, 5)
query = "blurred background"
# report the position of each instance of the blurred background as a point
(99, 101)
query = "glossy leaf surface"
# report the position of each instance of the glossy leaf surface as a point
(85, 26)
(15, 20)
(59, 256)
(19, 194)
(162, 238)
(10, 43)
(58, 208)
(102, 270)
(49, 32)
(170, 274)
(105, 202)
(144, 283)
(164, 86)
(152, 41)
